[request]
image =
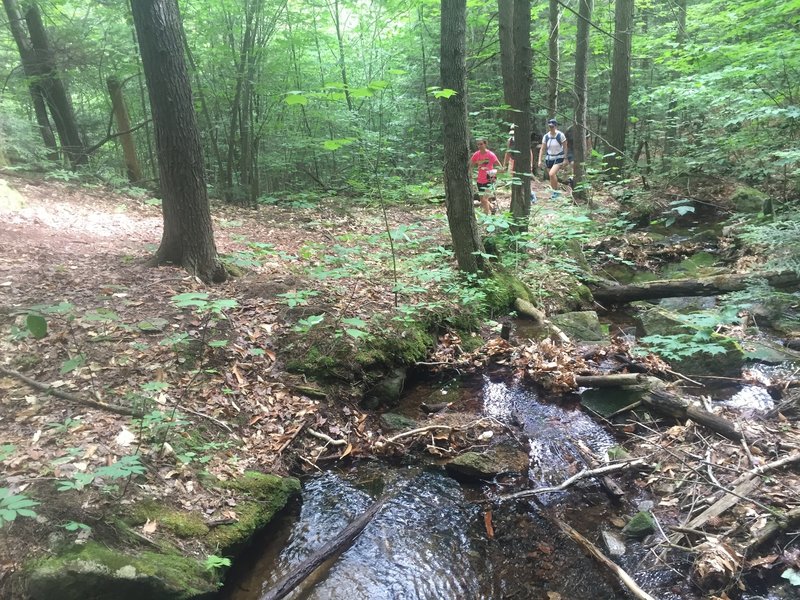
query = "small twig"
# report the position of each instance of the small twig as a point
(47, 389)
(416, 431)
(214, 420)
(326, 438)
(292, 437)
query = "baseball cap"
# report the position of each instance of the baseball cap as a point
(552, 122)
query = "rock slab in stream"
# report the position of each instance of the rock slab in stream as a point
(503, 458)
(613, 543)
(582, 326)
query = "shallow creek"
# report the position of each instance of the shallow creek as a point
(429, 541)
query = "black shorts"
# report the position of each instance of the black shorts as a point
(482, 187)
(553, 161)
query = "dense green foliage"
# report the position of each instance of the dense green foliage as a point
(341, 95)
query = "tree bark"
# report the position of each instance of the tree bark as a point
(520, 194)
(133, 169)
(620, 86)
(188, 237)
(554, 58)
(467, 243)
(704, 286)
(579, 148)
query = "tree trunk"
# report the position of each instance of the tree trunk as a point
(336, 16)
(671, 130)
(620, 86)
(188, 237)
(505, 18)
(425, 96)
(55, 92)
(46, 89)
(579, 149)
(520, 194)
(458, 190)
(678, 288)
(553, 56)
(124, 127)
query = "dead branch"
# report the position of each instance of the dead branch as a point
(416, 431)
(326, 438)
(529, 310)
(583, 474)
(47, 389)
(291, 580)
(773, 528)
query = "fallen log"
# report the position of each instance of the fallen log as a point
(704, 286)
(291, 580)
(656, 397)
(774, 527)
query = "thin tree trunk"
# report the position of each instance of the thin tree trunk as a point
(620, 86)
(132, 167)
(554, 58)
(55, 92)
(671, 130)
(580, 130)
(335, 15)
(143, 98)
(505, 12)
(520, 194)
(426, 99)
(458, 191)
(43, 121)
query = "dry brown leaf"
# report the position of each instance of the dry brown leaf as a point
(150, 526)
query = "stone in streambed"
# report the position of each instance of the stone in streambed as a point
(613, 543)
(500, 459)
(641, 525)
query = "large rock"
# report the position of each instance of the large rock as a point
(387, 390)
(748, 199)
(503, 458)
(583, 326)
(396, 422)
(94, 572)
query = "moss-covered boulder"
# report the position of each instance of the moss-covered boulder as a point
(583, 326)
(386, 391)
(183, 524)
(395, 422)
(697, 265)
(655, 320)
(264, 496)
(94, 572)
(748, 199)
(503, 458)
(640, 525)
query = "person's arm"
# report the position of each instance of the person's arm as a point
(541, 152)
(566, 150)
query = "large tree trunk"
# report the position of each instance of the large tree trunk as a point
(580, 130)
(679, 288)
(554, 58)
(620, 86)
(188, 237)
(520, 201)
(124, 128)
(458, 190)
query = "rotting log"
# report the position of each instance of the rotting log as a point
(658, 398)
(774, 527)
(289, 582)
(704, 286)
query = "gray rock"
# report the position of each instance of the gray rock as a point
(396, 422)
(503, 458)
(748, 199)
(613, 543)
(583, 326)
(386, 391)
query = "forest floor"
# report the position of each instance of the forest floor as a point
(116, 335)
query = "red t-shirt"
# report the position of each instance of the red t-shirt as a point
(485, 161)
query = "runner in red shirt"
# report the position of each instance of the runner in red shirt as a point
(488, 163)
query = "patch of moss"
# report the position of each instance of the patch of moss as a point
(502, 289)
(184, 524)
(95, 572)
(314, 362)
(267, 495)
(404, 347)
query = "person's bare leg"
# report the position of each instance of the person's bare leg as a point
(554, 175)
(485, 205)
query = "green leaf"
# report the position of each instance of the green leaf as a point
(356, 333)
(153, 325)
(37, 325)
(793, 575)
(445, 93)
(296, 98)
(218, 343)
(337, 143)
(198, 299)
(355, 322)
(70, 365)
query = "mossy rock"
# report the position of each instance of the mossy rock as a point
(619, 272)
(183, 524)
(503, 458)
(94, 572)
(581, 326)
(503, 289)
(640, 525)
(387, 390)
(654, 320)
(697, 265)
(266, 495)
(748, 199)
(396, 422)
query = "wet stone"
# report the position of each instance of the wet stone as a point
(395, 422)
(487, 465)
(613, 543)
(640, 525)
(583, 326)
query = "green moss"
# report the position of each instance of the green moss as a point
(95, 572)
(182, 523)
(267, 495)
(503, 289)
(314, 362)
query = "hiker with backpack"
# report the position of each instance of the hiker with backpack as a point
(553, 152)
(487, 163)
